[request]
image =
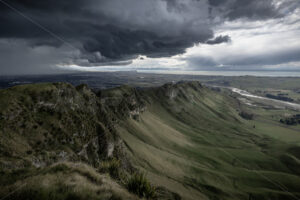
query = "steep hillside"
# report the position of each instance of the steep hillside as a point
(63, 142)
(193, 141)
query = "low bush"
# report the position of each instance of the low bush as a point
(247, 116)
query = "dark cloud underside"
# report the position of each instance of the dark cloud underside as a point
(105, 27)
(219, 39)
(252, 9)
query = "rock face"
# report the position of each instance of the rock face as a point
(123, 101)
(181, 89)
(58, 122)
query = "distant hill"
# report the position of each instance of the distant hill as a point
(58, 141)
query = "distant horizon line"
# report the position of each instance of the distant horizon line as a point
(274, 73)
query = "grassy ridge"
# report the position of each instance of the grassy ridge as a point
(186, 138)
(45, 124)
(196, 144)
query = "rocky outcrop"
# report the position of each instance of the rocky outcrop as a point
(58, 122)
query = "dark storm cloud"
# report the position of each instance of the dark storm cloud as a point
(106, 31)
(251, 9)
(110, 29)
(217, 2)
(120, 29)
(219, 39)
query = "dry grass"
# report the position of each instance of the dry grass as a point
(66, 180)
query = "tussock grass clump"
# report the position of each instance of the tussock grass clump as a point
(139, 184)
(112, 167)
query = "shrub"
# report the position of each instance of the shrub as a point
(245, 115)
(139, 185)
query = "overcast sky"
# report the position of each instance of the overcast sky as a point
(50, 36)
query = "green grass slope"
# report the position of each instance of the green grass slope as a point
(192, 140)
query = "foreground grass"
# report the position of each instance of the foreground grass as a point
(61, 181)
